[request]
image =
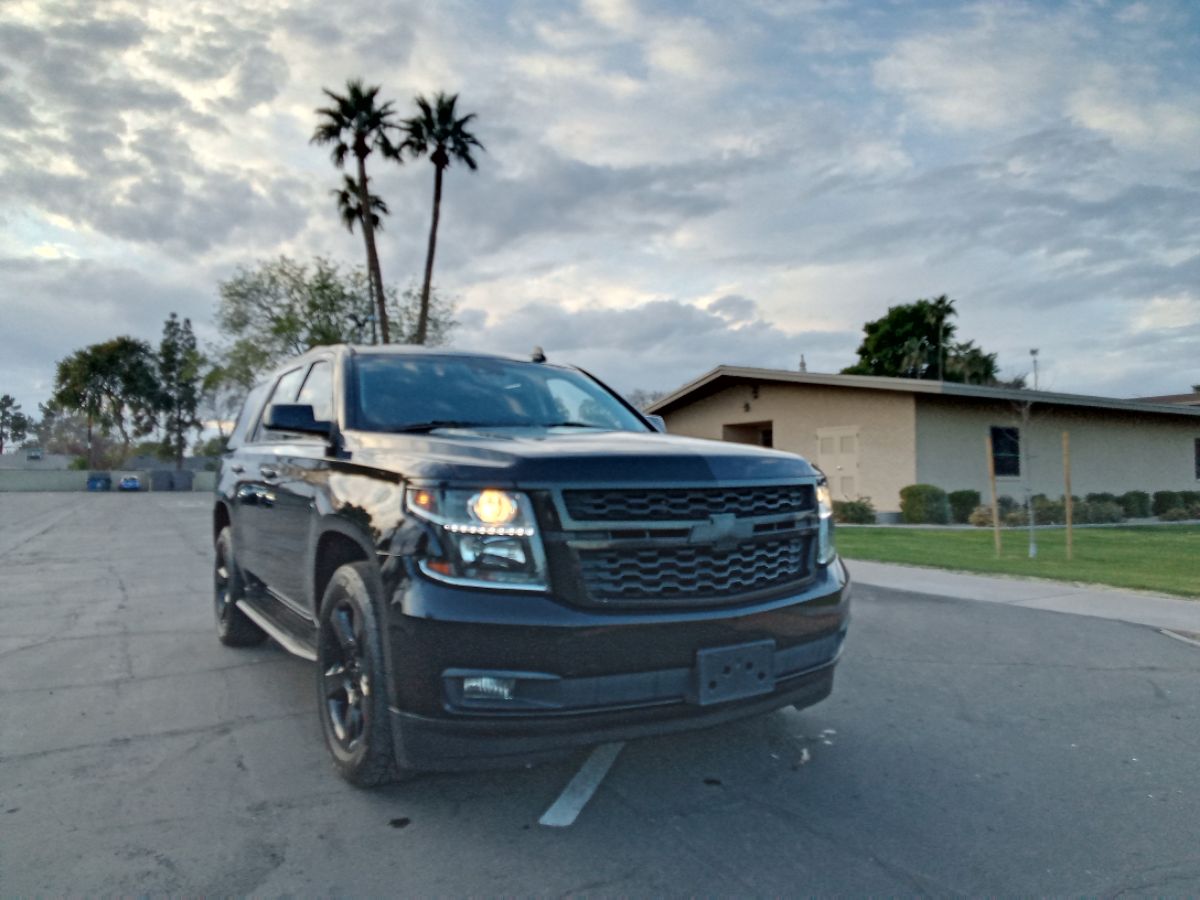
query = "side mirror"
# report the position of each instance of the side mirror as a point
(295, 417)
(659, 423)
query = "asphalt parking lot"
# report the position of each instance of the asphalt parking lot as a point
(969, 748)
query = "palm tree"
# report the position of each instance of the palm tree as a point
(349, 201)
(356, 124)
(350, 208)
(436, 132)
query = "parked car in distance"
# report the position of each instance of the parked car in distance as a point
(493, 561)
(99, 482)
(129, 483)
(33, 454)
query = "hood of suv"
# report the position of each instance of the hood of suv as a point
(557, 455)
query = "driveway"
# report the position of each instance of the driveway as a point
(968, 747)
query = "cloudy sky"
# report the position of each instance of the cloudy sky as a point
(667, 186)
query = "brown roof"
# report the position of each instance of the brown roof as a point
(1192, 399)
(723, 376)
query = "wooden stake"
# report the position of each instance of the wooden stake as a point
(1067, 496)
(991, 464)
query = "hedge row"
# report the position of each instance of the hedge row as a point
(927, 504)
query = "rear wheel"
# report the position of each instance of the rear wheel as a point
(352, 678)
(234, 627)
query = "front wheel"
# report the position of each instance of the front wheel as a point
(352, 678)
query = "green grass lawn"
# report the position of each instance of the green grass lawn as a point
(1153, 558)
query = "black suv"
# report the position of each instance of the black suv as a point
(492, 560)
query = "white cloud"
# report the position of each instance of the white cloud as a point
(649, 170)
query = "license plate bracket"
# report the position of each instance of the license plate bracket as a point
(731, 673)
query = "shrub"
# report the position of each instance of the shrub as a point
(961, 505)
(1048, 512)
(1175, 514)
(1007, 504)
(981, 517)
(1098, 512)
(1166, 500)
(854, 512)
(1017, 516)
(924, 504)
(1189, 499)
(1102, 498)
(1136, 504)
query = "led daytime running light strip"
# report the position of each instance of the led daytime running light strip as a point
(491, 530)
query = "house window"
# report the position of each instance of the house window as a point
(1006, 451)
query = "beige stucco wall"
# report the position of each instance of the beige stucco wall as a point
(886, 423)
(1110, 451)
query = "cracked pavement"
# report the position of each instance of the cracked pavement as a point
(968, 748)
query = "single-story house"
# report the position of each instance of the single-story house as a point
(872, 436)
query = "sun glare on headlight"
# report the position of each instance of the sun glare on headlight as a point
(492, 507)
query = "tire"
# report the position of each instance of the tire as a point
(352, 678)
(234, 627)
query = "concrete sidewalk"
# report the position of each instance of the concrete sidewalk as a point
(1140, 608)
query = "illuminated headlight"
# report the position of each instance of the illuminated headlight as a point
(826, 552)
(486, 538)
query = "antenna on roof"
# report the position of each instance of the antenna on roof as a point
(803, 364)
(538, 355)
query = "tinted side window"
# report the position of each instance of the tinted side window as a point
(318, 391)
(247, 418)
(285, 392)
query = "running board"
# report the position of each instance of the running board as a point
(295, 634)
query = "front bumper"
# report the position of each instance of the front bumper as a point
(604, 676)
(441, 744)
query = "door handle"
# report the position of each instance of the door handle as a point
(237, 468)
(267, 472)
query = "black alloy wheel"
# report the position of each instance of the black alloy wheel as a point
(347, 683)
(352, 678)
(234, 627)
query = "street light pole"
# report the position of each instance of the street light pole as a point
(1034, 354)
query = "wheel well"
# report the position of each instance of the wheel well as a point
(333, 550)
(220, 519)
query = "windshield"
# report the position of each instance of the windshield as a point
(399, 393)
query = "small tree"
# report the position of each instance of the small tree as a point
(282, 308)
(179, 364)
(114, 385)
(14, 424)
(915, 340)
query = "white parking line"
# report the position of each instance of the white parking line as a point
(579, 790)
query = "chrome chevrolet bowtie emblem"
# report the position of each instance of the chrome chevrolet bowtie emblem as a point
(723, 531)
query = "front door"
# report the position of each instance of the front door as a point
(837, 457)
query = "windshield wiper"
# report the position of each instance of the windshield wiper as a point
(573, 425)
(435, 424)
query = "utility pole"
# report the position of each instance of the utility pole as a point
(1027, 440)
(1034, 354)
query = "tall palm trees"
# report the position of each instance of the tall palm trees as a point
(356, 124)
(437, 132)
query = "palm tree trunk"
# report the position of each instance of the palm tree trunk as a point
(368, 231)
(423, 318)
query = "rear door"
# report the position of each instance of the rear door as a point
(256, 493)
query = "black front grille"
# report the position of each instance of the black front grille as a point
(673, 504)
(692, 575)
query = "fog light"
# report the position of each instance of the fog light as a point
(488, 688)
